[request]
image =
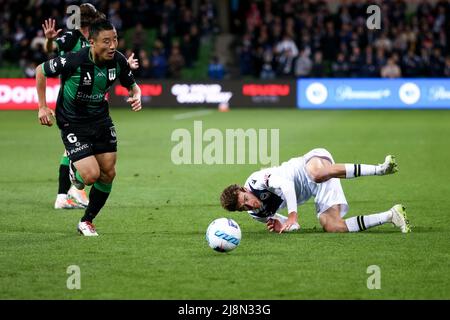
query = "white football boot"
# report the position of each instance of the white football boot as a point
(388, 167)
(87, 229)
(79, 196)
(399, 218)
(63, 202)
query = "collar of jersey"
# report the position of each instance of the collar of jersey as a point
(92, 60)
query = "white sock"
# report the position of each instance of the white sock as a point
(358, 170)
(361, 223)
(61, 197)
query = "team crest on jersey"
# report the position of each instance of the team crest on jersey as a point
(264, 195)
(111, 74)
(113, 131)
(63, 61)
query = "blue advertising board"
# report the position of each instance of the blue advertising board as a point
(373, 93)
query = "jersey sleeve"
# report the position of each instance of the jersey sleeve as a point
(66, 42)
(284, 188)
(59, 66)
(126, 75)
(257, 218)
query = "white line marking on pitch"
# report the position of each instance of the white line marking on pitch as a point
(186, 115)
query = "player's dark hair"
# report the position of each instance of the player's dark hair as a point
(98, 26)
(229, 197)
(99, 16)
(88, 14)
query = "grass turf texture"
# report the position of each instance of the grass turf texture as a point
(152, 230)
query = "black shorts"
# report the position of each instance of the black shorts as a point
(82, 142)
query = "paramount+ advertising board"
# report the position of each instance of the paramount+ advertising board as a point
(156, 94)
(373, 94)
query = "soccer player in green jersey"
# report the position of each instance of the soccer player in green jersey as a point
(82, 113)
(68, 196)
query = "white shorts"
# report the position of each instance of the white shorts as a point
(328, 193)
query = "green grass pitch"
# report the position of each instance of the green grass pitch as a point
(152, 230)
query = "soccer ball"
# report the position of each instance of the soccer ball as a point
(223, 234)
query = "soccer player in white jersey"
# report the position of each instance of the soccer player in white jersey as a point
(315, 174)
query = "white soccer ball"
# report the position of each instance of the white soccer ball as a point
(223, 234)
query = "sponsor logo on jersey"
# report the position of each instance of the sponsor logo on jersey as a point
(90, 97)
(79, 149)
(52, 65)
(87, 81)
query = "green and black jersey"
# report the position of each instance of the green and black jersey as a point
(84, 84)
(71, 41)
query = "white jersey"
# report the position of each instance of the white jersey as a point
(280, 187)
(285, 186)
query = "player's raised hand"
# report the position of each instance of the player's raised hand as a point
(49, 29)
(135, 103)
(45, 116)
(133, 63)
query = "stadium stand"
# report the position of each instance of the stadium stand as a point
(311, 39)
(169, 39)
(271, 39)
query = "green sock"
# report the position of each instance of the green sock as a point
(64, 160)
(104, 187)
(78, 176)
(97, 198)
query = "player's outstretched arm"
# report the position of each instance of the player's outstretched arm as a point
(135, 98)
(45, 114)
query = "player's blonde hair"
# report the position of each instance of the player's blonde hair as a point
(229, 197)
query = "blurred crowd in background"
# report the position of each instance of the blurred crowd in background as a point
(175, 44)
(298, 38)
(272, 39)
